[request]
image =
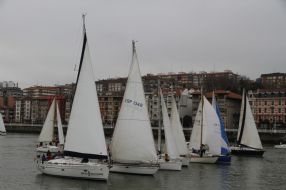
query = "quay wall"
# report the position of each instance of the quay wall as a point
(267, 136)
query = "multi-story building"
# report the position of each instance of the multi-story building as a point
(35, 109)
(269, 107)
(38, 91)
(228, 102)
(8, 92)
(273, 80)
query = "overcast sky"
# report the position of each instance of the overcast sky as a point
(40, 40)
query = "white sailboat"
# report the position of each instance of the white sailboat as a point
(2, 126)
(47, 137)
(171, 159)
(178, 133)
(85, 153)
(132, 147)
(205, 142)
(248, 140)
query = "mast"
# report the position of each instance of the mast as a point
(83, 48)
(243, 117)
(55, 119)
(159, 120)
(202, 119)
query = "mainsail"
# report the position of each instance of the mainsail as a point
(132, 140)
(177, 129)
(171, 147)
(47, 132)
(85, 136)
(209, 124)
(247, 131)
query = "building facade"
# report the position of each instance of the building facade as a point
(269, 108)
(273, 80)
(228, 102)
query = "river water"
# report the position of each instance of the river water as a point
(18, 171)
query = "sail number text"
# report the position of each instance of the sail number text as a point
(128, 101)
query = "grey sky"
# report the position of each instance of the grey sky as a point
(40, 41)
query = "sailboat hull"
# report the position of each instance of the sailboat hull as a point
(224, 159)
(244, 151)
(45, 149)
(2, 133)
(74, 169)
(281, 146)
(175, 165)
(134, 169)
(194, 158)
(185, 161)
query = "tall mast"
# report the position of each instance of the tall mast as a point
(55, 117)
(83, 47)
(202, 118)
(159, 119)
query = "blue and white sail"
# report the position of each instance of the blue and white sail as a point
(224, 141)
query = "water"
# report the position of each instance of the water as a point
(18, 171)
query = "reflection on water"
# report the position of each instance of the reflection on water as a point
(18, 171)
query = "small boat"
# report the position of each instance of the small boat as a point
(248, 140)
(281, 146)
(47, 141)
(171, 159)
(178, 134)
(132, 147)
(2, 126)
(85, 152)
(225, 157)
(205, 141)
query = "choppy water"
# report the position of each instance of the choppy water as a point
(18, 171)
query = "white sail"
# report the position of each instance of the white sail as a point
(211, 129)
(195, 138)
(47, 132)
(170, 144)
(177, 129)
(250, 136)
(2, 126)
(85, 136)
(132, 140)
(60, 127)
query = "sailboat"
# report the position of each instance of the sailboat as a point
(85, 152)
(171, 160)
(178, 133)
(2, 126)
(248, 140)
(132, 147)
(205, 141)
(225, 157)
(47, 137)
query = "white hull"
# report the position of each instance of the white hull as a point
(185, 161)
(175, 165)
(52, 149)
(134, 169)
(2, 133)
(280, 146)
(206, 159)
(75, 169)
